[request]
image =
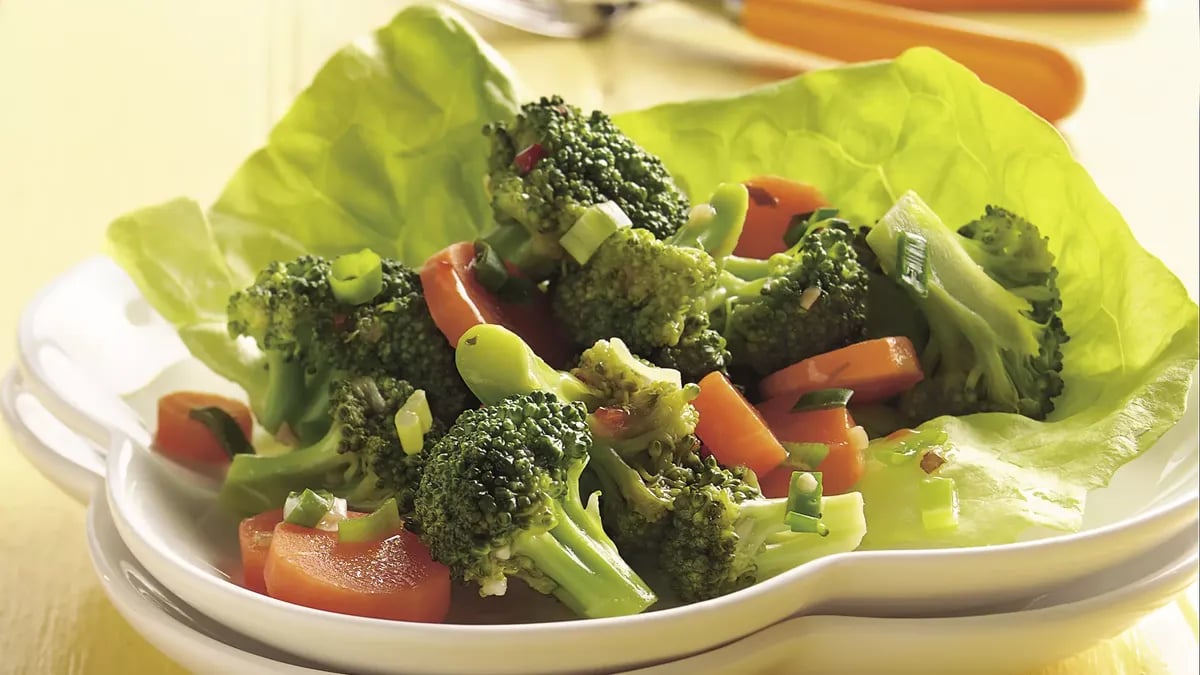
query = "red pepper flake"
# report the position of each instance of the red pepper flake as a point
(931, 461)
(612, 421)
(529, 158)
(341, 322)
(761, 196)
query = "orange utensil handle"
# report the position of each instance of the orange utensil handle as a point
(1043, 78)
(1017, 5)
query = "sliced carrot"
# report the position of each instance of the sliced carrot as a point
(732, 430)
(457, 301)
(180, 437)
(826, 425)
(875, 370)
(254, 538)
(773, 203)
(834, 427)
(391, 579)
(777, 482)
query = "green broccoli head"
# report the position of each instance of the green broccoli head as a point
(634, 287)
(642, 409)
(990, 296)
(701, 350)
(638, 491)
(499, 498)
(553, 161)
(805, 301)
(724, 536)
(359, 458)
(309, 336)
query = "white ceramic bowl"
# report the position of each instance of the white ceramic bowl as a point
(161, 513)
(1052, 627)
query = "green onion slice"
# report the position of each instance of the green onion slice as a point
(224, 428)
(805, 456)
(938, 499)
(799, 522)
(307, 508)
(592, 229)
(489, 268)
(823, 399)
(804, 493)
(357, 277)
(913, 270)
(379, 524)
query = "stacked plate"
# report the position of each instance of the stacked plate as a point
(80, 403)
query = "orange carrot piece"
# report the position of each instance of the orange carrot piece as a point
(390, 579)
(875, 370)
(732, 430)
(180, 437)
(254, 538)
(773, 203)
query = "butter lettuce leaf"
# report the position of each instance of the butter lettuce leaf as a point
(868, 133)
(384, 149)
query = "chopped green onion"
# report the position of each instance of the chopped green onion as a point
(356, 277)
(224, 428)
(379, 524)
(823, 399)
(715, 227)
(913, 269)
(592, 229)
(799, 522)
(489, 268)
(408, 428)
(804, 493)
(307, 508)
(806, 456)
(803, 223)
(939, 503)
(413, 420)
(823, 213)
(418, 403)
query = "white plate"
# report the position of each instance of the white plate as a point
(183, 634)
(84, 378)
(1055, 626)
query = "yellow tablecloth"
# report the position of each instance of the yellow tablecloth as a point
(107, 106)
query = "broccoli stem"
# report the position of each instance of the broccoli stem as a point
(591, 577)
(785, 550)
(496, 363)
(285, 379)
(731, 287)
(257, 483)
(715, 227)
(747, 269)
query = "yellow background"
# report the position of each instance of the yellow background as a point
(105, 106)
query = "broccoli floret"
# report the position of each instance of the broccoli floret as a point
(642, 419)
(500, 498)
(634, 287)
(359, 458)
(651, 293)
(646, 409)
(990, 296)
(657, 492)
(700, 350)
(310, 337)
(552, 162)
(724, 536)
(805, 301)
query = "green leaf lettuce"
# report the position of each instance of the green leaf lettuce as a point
(384, 150)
